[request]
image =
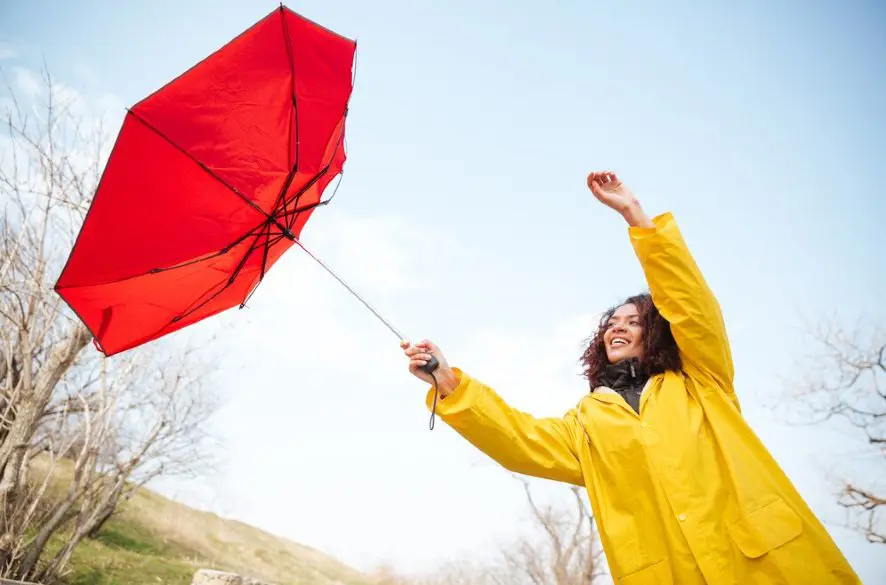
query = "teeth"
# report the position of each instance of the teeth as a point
(619, 342)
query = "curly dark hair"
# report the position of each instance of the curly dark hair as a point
(660, 351)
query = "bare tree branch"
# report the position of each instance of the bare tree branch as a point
(563, 549)
(844, 381)
(570, 553)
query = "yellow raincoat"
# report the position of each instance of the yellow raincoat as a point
(684, 493)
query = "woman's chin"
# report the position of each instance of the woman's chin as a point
(619, 354)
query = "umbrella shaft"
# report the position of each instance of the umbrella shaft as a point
(351, 290)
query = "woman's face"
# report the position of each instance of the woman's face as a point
(624, 334)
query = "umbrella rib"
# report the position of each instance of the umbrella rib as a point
(185, 264)
(297, 210)
(280, 196)
(294, 117)
(264, 264)
(284, 233)
(221, 252)
(291, 59)
(294, 199)
(264, 260)
(227, 284)
(209, 171)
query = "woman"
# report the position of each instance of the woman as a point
(683, 490)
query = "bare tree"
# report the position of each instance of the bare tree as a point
(563, 548)
(44, 188)
(107, 426)
(461, 573)
(452, 573)
(151, 421)
(566, 550)
(84, 444)
(844, 381)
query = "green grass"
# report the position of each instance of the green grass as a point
(130, 537)
(128, 554)
(134, 549)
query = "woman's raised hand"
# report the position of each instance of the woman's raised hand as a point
(611, 192)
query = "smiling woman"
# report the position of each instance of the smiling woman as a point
(632, 343)
(682, 488)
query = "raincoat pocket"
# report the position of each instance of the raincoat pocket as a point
(765, 528)
(658, 573)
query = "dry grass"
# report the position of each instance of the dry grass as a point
(156, 540)
(232, 545)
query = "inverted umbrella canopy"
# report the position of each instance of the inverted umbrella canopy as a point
(210, 181)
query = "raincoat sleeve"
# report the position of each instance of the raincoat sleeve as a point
(522, 443)
(682, 296)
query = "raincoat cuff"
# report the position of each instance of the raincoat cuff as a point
(458, 400)
(661, 222)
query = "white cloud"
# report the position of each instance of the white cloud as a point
(538, 372)
(30, 88)
(324, 421)
(28, 82)
(110, 104)
(65, 96)
(82, 130)
(84, 71)
(385, 254)
(8, 51)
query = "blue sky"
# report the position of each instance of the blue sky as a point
(463, 215)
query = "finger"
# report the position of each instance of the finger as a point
(404, 344)
(597, 188)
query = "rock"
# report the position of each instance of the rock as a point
(210, 577)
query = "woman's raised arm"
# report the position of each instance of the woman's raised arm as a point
(676, 284)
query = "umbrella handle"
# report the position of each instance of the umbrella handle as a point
(431, 366)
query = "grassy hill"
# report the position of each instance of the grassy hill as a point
(157, 540)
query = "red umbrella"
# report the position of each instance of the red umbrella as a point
(210, 181)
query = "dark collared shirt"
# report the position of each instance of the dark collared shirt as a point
(628, 378)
